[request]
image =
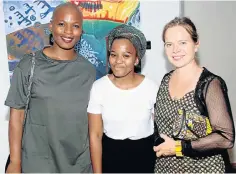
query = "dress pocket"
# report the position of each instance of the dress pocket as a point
(35, 141)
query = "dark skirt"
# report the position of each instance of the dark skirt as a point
(128, 156)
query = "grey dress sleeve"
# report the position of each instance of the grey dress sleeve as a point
(16, 97)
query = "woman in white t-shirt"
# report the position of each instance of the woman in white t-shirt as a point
(120, 109)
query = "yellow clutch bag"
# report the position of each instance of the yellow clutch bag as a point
(190, 125)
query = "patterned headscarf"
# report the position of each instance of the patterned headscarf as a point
(135, 36)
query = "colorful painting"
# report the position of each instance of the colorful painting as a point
(26, 26)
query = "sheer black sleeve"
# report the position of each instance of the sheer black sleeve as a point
(220, 115)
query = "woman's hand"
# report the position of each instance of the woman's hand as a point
(167, 148)
(14, 168)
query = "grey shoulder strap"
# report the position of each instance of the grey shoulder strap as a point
(28, 96)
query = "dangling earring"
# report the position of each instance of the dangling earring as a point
(51, 39)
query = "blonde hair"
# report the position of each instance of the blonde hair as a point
(185, 23)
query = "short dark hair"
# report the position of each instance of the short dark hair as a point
(66, 4)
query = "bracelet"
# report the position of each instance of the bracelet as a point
(178, 148)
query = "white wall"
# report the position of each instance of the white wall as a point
(154, 15)
(216, 24)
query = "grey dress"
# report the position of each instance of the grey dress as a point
(56, 131)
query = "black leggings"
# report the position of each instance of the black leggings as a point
(128, 156)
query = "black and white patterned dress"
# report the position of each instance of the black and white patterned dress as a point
(165, 111)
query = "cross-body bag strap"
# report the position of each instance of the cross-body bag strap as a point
(29, 87)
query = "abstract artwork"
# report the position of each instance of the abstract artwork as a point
(26, 26)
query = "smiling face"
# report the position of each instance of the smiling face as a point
(66, 27)
(179, 46)
(123, 58)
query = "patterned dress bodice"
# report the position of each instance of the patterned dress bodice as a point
(165, 112)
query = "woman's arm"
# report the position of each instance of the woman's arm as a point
(95, 134)
(221, 119)
(15, 138)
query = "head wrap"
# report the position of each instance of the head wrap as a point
(135, 36)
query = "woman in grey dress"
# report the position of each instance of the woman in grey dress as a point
(55, 137)
(192, 112)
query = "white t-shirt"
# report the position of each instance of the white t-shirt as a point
(125, 113)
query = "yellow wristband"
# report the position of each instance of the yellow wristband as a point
(178, 148)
